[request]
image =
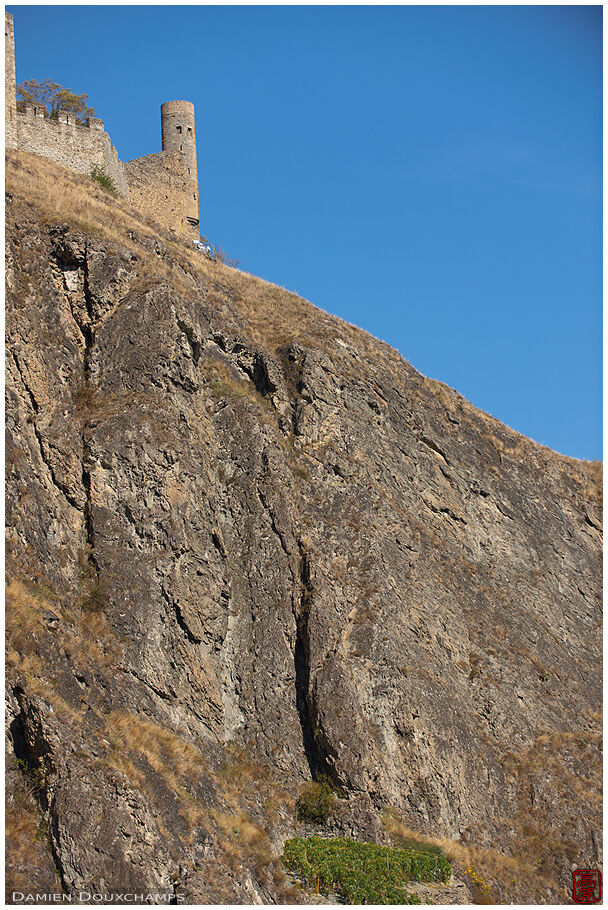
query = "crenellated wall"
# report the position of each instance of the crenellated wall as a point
(162, 185)
(75, 146)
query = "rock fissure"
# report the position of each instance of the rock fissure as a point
(61, 487)
(174, 609)
(41, 442)
(301, 657)
(30, 394)
(86, 454)
(434, 447)
(194, 342)
(445, 510)
(165, 696)
(56, 851)
(87, 328)
(273, 523)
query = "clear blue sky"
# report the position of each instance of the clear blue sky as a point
(432, 174)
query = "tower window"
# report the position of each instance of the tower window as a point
(189, 129)
(179, 129)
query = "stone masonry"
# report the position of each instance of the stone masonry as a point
(9, 82)
(163, 186)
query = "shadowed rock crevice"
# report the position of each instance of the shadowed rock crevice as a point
(34, 758)
(302, 682)
(181, 622)
(87, 328)
(89, 339)
(88, 523)
(315, 756)
(17, 734)
(194, 342)
(261, 378)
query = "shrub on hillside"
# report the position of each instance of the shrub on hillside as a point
(222, 256)
(99, 175)
(315, 803)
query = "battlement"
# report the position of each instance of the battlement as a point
(163, 185)
(79, 146)
(32, 112)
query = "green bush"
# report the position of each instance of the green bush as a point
(99, 175)
(362, 873)
(315, 803)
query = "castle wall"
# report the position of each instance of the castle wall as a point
(66, 142)
(9, 83)
(159, 188)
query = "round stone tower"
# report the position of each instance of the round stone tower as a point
(179, 145)
(177, 125)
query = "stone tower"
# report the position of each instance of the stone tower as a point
(10, 99)
(178, 135)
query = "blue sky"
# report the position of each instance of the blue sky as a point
(431, 174)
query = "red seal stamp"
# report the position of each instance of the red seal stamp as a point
(586, 886)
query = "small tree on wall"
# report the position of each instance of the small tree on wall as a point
(38, 93)
(53, 98)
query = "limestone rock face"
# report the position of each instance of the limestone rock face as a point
(271, 557)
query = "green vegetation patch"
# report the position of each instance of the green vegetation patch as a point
(315, 803)
(104, 180)
(362, 873)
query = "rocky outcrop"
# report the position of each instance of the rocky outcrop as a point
(236, 561)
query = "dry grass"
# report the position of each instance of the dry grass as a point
(23, 616)
(245, 844)
(254, 802)
(53, 195)
(242, 785)
(177, 762)
(248, 837)
(502, 874)
(163, 750)
(511, 444)
(24, 643)
(223, 382)
(249, 785)
(28, 860)
(24, 606)
(93, 405)
(592, 483)
(93, 645)
(539, 844)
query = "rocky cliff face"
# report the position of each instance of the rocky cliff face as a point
(248, 543)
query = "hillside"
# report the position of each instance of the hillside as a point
(249, 544)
